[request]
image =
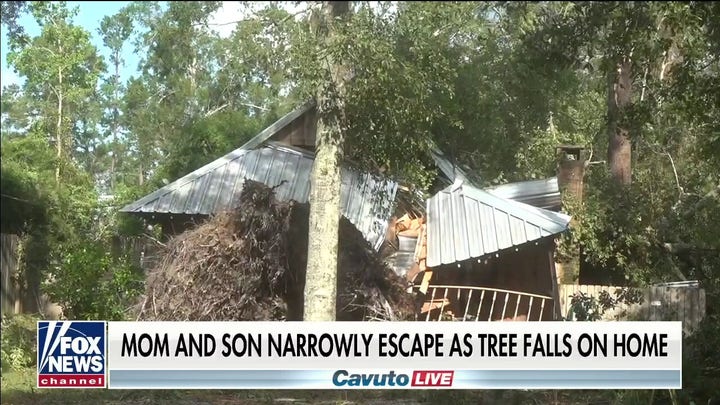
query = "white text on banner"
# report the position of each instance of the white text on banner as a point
(390, 355)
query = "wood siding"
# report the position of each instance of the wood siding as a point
(300, 133)
(10, 295)
(528, 270)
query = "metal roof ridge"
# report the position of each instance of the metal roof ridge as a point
(517, 208)
(441, 158)
(253, 143)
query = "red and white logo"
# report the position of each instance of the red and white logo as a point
(432, 378)
(71, 354)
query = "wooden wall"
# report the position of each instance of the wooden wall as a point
(9, 263)
(300, 133)
(527, 270)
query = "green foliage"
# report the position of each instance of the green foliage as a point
(22, 206)
(584, 307)
(701, 359)
(496, 85)
(18, 342)
(206, 139)
(92, 284)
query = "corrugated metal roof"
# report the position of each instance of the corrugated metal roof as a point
(465, 222)
(216, 186)
(448, 168)
(543, 193)
(366, 200)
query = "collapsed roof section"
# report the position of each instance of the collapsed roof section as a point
(366, 200)
(274, 158)
(464, 222)
(543, 193)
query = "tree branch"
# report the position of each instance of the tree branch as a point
(681, 247)
(703, 201)
(254, 106)
(216, 110)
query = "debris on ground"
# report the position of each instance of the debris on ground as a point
(249, 265)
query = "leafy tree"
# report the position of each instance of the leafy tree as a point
(115, 31)
(60, 65)
(10, 11)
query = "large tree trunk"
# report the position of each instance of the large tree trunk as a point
(619, 143)
(321, 276)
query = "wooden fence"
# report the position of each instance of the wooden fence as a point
(9, 294)
(659, 303)
(17, 297)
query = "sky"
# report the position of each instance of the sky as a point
(89, 16)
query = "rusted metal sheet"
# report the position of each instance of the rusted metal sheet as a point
(465, 222)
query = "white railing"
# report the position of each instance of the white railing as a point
(447, 302)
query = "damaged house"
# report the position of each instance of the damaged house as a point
(482, 254)
(468, 253)
(484, 257)
(280, 157)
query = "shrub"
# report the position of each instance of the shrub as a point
(18, 342)
(90, 283)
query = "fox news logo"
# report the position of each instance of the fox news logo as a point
(71, 354)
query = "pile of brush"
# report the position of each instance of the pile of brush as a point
(249, 264)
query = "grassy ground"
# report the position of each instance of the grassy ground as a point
(18, 388)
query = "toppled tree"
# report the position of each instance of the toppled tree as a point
(249, 264)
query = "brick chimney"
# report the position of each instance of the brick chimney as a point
(571, 170)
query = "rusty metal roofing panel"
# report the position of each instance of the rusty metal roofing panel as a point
(465, 222)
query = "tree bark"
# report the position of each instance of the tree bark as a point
(324, 222)
(619, 143)
(115, 124)
(58, 129)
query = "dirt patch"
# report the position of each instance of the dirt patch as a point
(249, 264)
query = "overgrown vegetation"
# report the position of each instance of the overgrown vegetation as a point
(18, 338)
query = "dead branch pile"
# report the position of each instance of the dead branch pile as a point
(249, 264)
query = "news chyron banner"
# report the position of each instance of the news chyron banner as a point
(388, 355)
